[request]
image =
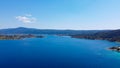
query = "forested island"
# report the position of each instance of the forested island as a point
(19, 36)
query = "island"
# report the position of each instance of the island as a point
(115, 48)
(19, 36)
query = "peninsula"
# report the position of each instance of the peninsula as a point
(19, 36)
(111, 35)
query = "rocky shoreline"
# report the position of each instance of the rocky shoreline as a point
(115, 48)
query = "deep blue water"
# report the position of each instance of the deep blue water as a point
(58, 52)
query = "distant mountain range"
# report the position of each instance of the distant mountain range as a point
(23, 30)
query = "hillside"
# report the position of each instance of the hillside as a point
(113, 35)
(22, 30)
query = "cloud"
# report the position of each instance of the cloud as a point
(28, 18)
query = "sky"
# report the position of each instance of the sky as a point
(60, 14)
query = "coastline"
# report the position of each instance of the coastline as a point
(95, 38)
(19, 36)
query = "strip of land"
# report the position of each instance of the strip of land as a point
(19, 36)
(113, 36)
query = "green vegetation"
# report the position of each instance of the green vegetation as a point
(108, 35)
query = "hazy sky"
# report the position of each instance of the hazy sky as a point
(60, 14)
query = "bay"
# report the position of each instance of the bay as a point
(58, 52)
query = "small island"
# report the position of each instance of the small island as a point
(19, 36)
(115, 48)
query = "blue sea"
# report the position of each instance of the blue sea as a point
(58, 52)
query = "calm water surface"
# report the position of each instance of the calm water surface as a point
(58, 52)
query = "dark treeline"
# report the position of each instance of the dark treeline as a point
(113, 35)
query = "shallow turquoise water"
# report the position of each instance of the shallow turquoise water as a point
(58, 52)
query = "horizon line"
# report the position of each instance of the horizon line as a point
(55, 29)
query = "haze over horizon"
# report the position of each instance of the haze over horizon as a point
(60, 14)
